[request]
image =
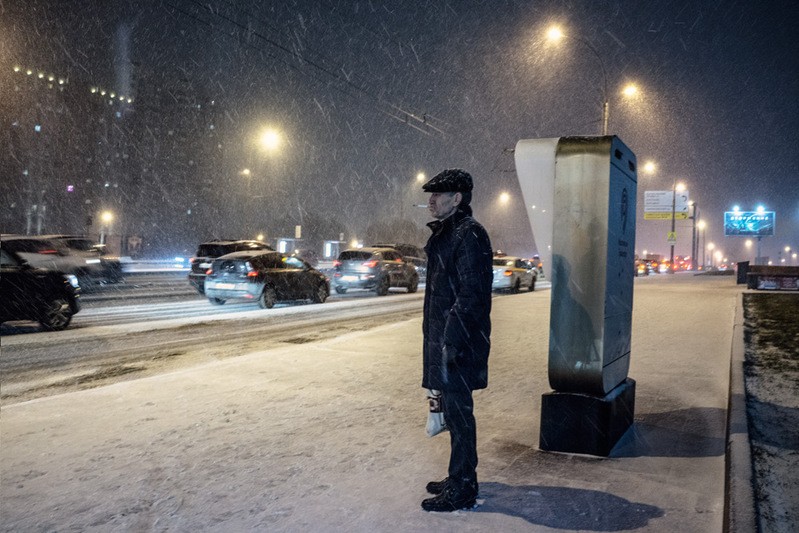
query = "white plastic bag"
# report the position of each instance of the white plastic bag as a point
(435, 415)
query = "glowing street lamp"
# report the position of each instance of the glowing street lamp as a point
(630, 90)
(555, 34)
(504, 198)
(270, 140)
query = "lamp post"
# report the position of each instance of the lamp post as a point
(106, 217)
(267, 142)
(555, 34)
(674, 188)
(693, 237)
(701, 227)
(710, 248)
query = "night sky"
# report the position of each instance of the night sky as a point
(368, 94)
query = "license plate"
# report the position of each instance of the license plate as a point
(349, 278)
(225, 285)
(205, 265)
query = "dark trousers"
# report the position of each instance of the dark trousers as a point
(458, 410)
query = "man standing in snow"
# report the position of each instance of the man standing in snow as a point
(457, 329)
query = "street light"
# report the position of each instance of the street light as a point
(270, 140)
(700, 226)
(694, 249)
(674, 188)
(555, 34)
(106, 217)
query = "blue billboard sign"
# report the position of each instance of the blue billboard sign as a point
(748, 223)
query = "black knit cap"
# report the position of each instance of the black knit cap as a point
(450, 180)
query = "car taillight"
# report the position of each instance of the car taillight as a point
(370, 264)
(508, 273)
(209, 272)
(252, 274)
(51, 252)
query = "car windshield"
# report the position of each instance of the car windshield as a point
(213, 250)
(230, 266)
(354, 255)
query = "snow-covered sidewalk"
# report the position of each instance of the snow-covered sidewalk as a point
(329, 436)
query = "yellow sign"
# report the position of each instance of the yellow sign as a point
(672, 238)
(665, 216)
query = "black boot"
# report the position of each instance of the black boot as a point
(451, 500)
(437, 487)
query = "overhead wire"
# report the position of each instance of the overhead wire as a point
(394, 111)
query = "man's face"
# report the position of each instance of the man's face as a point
(443, 204)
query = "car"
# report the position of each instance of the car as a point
(47, 296)
(265, 276)
(513, 273)
(375, 269)
(208, 251)
(71, 254)
(410, 253)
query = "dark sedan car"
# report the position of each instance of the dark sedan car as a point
(266, 277)
(29, 293)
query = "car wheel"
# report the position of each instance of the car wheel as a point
(516, 286)
(216, 301)
(320, 294)
(414, 284)
(268, 298)
(531, 288)
(341, 290)
(383, 286)
(57, 315)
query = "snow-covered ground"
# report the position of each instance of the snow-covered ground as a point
(329, 436)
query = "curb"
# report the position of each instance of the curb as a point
(739, 500)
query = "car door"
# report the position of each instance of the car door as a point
(395, 267)
(524, 272)
(297, 278)
(23, 291)
(274, 268)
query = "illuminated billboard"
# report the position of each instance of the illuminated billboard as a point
(748, 223)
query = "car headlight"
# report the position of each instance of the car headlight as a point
(72, 279)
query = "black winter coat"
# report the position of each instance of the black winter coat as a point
(457, 304)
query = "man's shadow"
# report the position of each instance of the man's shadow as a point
(566, 508)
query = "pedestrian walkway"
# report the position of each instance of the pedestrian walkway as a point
(330, 436)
